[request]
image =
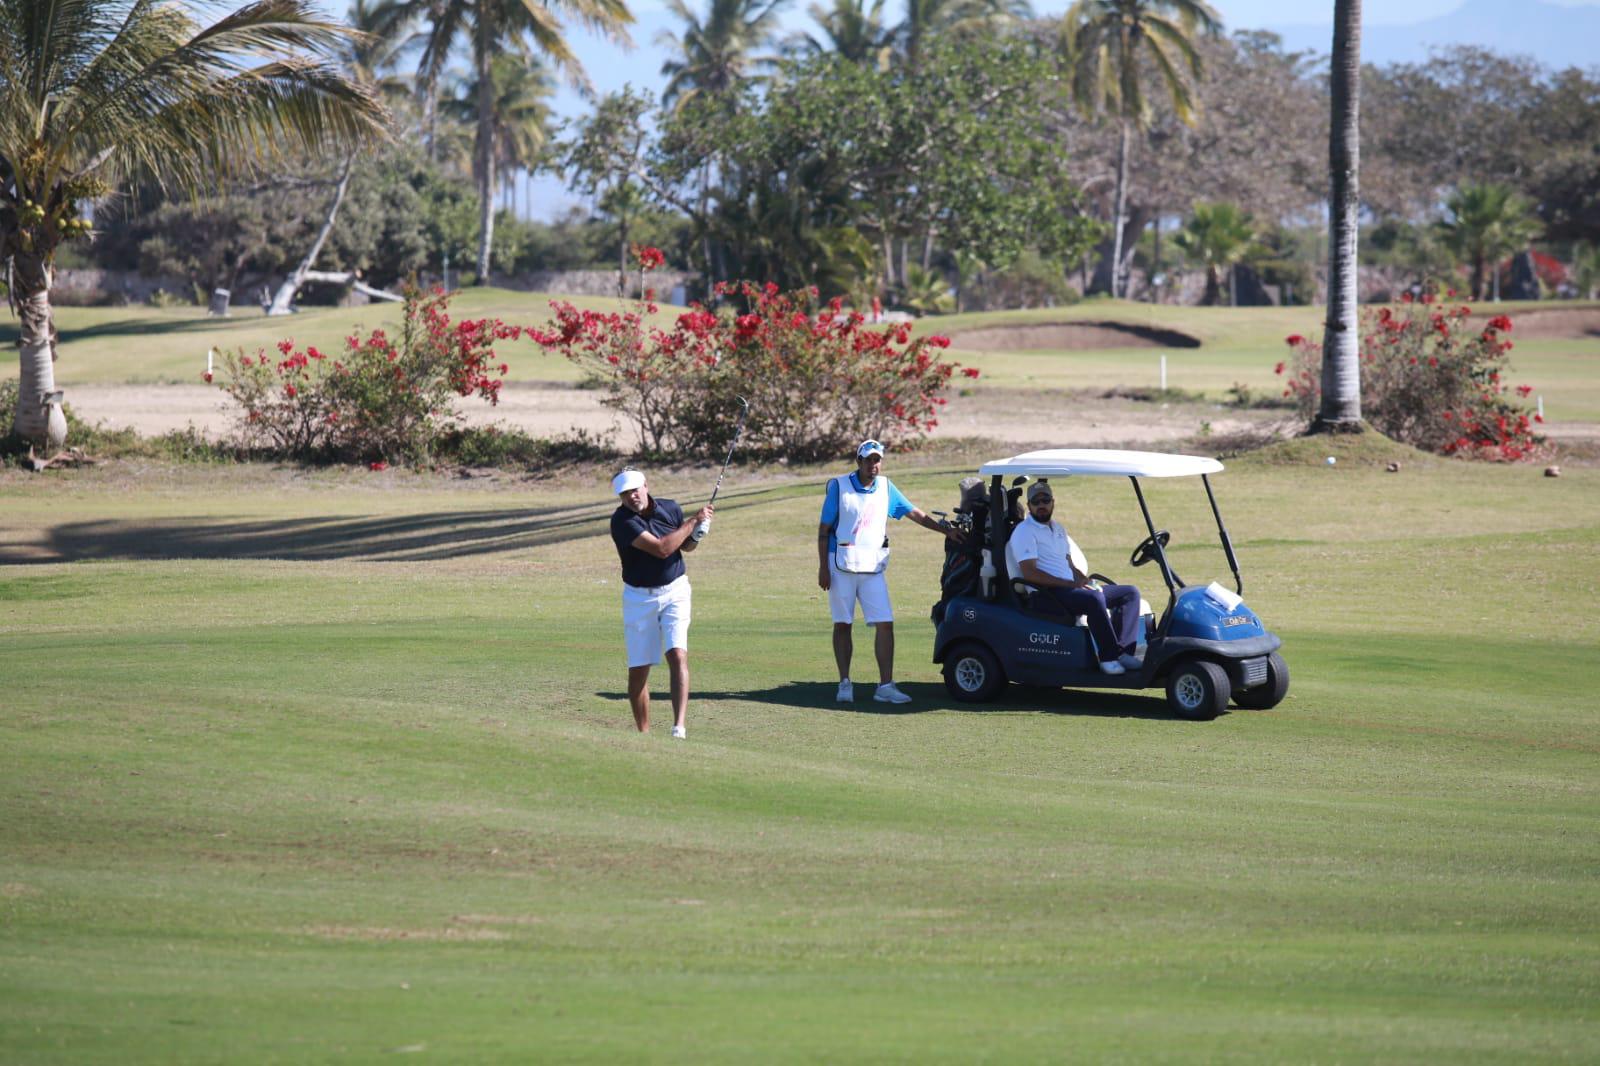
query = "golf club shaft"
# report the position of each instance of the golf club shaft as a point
(702, 528)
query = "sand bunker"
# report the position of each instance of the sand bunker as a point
(1070, 336)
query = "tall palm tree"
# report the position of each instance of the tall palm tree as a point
(926, 19)
(521, 112)
(717, 53)
(1105, 43)
(1340, 406)
(1217, 236)
(491, 27)
(94, 91)
(1487, 222)
(850, 29)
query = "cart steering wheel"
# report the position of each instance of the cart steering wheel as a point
(1146, 551)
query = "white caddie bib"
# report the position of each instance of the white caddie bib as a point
(863, 531)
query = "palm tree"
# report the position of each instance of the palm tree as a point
(715, 55)
(1487, 222)
(521, 112)
(1105, 42)
(851, 30)
(1217, 236)
(94, 91)
(492, 27)
(1340, 406)
(926, 19)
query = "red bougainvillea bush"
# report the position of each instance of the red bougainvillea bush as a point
(818, 377)
(384, 399)
(1431, 380)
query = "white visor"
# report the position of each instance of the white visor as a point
(623, 482)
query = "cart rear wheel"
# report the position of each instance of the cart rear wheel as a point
(972, 673)
(1267, 696)
(1198, 690)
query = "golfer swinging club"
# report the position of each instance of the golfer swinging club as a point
(852, 553)
(651, 536)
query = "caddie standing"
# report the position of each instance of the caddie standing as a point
(651, 536)
(852, 555)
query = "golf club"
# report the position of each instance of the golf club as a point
(703, 528)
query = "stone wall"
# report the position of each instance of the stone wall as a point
(596, 282)
(89, 287)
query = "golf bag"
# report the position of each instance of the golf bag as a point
(962, 562)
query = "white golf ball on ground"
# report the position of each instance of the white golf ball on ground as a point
(1331, 460)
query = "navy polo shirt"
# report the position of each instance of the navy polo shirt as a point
(639, 568)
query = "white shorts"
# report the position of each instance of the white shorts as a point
(871, 589)
(653, 619)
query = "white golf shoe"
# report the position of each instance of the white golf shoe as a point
(1113, 668)
(679, 733)
(846, 693)
(890, 694)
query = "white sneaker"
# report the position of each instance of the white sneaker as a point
(679, 733)
(889, 694)
(1113, 668)
(846, 693)
(1130, 662)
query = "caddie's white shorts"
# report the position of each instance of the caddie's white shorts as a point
(654, 619)
(871, 589)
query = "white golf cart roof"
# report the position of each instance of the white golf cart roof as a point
(1064, 462)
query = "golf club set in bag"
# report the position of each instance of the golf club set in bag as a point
(701, 529)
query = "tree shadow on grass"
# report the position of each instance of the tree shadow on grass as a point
(931, 696)
(389, 538)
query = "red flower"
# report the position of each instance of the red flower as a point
(289, 391)
(1522, 390)
(1279, 368)
(1500, 324)
(937, 341)
(377, 464)
(207, 376)
(1293, 340)
(970, 371)
(649, 258)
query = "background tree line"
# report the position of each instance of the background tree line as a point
(968, 155)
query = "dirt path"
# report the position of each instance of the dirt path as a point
(1020, 416)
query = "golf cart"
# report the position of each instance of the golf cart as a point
(1206, 649)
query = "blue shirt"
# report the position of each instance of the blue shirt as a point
(899, 506)
(639, 568)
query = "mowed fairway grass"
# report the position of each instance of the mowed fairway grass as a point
(333, 767)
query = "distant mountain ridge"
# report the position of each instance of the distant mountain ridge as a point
(1556, 36)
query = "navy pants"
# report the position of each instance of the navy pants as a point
(1112, 613)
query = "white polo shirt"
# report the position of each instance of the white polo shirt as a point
(1047, 545)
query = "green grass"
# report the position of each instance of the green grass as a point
(1239, 345)
(304, 767)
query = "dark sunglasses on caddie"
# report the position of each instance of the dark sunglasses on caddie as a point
(1041, 499)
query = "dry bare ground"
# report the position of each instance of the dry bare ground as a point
(1018, 416)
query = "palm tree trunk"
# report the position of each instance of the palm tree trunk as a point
(283, 299)
(483, 51)
(1121, 210)
(1340, 408)
(38, 414)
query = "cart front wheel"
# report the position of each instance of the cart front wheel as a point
(1198, 690)
(1266, 696)
(972, 673)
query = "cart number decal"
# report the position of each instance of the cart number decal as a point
(1240, 620)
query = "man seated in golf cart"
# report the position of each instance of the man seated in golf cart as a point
(1041, 554)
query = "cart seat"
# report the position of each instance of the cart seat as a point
(1046, 604)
